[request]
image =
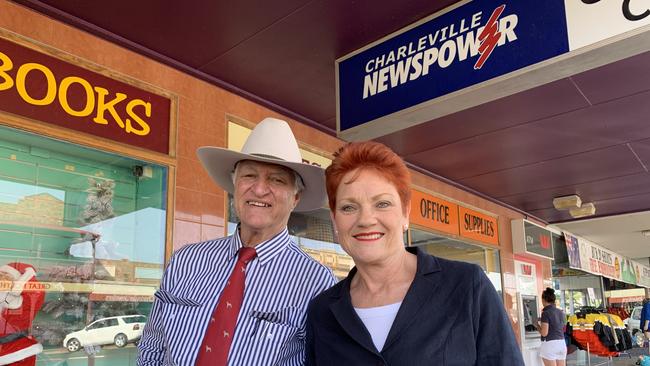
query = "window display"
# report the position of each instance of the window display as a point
(443, 247)
(579, 291)
(90, 227)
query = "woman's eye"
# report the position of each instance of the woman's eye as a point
(383, 204)
(347, 208)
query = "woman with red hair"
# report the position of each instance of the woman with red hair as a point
(399, 305)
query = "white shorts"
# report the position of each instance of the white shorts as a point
(553, 350)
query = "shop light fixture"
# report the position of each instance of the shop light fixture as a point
(567, 202)
(646, 233)
(588, 209)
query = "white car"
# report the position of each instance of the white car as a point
(118, 330)
(634, 321)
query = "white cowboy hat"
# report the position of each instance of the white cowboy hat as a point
(271, 141)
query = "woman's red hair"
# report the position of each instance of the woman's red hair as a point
(368, 155)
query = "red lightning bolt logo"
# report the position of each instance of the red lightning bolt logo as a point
(489, 37)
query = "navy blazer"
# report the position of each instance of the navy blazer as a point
(451, 315)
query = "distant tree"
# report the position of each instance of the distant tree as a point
(72, 307)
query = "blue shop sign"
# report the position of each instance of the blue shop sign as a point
(465, 46)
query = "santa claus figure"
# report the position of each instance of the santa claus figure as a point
(20, 300)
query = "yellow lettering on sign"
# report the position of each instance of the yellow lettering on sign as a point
(147, 111)
(7, 65)
(134, 113)
(63, 96)
(103, 106)
(21, 78)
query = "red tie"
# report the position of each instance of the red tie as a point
(221, 330)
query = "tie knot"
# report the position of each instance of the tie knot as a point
(246, 254)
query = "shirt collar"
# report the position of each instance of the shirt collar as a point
(265, 250)
(426, 264)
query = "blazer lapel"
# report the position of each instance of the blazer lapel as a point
(348, 319)
(420, 293)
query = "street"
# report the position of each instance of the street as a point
(107, 356)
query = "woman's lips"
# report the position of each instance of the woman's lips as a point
(368, 236)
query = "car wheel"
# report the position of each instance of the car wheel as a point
(120, 340)
(73, 345)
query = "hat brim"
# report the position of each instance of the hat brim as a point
(220, 163)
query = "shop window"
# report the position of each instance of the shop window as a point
(579, 292)
(93, 226)
(443, 247)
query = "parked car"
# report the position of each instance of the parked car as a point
(118, 330)
(633, 323)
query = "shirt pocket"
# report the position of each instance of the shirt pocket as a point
(276, 329)
(289, 316)
(280, 341)
(270, 332)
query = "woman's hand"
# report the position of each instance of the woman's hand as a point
(543, 329)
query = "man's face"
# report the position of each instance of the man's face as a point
(265, 195)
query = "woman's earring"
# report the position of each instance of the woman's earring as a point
(405, 227)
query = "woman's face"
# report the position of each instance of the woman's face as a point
(369, 217)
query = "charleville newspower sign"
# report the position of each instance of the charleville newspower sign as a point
(477, 51)
(47, 89)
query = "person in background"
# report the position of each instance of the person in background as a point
(398, 305)
(644, 324)
(242, 300)
(551, 328)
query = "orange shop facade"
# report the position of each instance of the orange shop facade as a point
(99, 183)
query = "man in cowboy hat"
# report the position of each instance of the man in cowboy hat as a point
(241, 300)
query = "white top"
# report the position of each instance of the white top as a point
(378, 321)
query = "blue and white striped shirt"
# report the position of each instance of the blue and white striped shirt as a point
(270, 330)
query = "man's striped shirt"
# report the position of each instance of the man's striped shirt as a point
(270, 330)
